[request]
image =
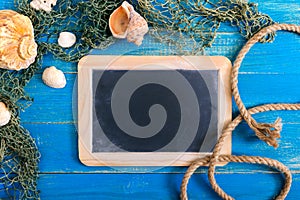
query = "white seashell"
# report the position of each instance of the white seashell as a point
(5, 114)
(137, 28)
(54, 78)
(17, 46)
(125, 22)
(66, 39)
(45, 5)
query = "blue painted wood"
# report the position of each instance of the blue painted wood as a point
(269, 74)
(55, 106)
(159, 186)
(58, 146)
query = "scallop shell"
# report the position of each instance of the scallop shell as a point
(17, 46)
(125, 22)
(66, 39)
(45, 5)
(5, 114)
(54, 78)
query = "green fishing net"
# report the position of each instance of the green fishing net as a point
(189, 26)
(18, 153)
(88, 20)
(19, 156)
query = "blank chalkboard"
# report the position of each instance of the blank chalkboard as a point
(151, 110)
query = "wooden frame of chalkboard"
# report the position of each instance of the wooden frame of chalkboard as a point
(87, 76)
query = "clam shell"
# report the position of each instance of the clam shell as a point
(54, 78)
(66, 39)
(125, 22)
(17, 46)
(5, 114)
(45, 5)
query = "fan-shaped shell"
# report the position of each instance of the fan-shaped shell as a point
(125, 22)
(17, 46)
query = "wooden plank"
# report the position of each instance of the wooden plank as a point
(269, 58)
(228, 43)
(159, 186)
(278, 10)
(58, 146)
(58, 141)
(55, 105)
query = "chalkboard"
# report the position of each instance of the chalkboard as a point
(145, 110)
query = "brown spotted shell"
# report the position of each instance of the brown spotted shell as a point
(137, 28)
(125, 22)
(17, 46)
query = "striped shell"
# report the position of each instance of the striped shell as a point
(17, 46)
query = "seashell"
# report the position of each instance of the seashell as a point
(5, 114)
(125, 22)
(137, 28)
(66, 39)
(54, 78)
(45, 5)
(17, 46)
(119, 20)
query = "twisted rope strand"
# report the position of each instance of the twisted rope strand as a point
(266, 132)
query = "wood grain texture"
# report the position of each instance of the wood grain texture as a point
(159, 186)
(55, 106)
(270, 73)
(58, 146)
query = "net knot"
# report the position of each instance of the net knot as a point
(269, 132)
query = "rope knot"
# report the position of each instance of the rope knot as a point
(269, 132)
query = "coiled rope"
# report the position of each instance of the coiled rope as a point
(266, 132)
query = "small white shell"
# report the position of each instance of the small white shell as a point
(5, 114)
(54, 78)
(125, 22)
(66, 39)
(45, 5)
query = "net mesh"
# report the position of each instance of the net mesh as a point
(19, 156)
(187, 26)
(88, 20)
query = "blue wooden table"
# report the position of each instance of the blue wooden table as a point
(269, 74)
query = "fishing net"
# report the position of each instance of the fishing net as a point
(187, 26)
(19, 155)
(88, 20)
